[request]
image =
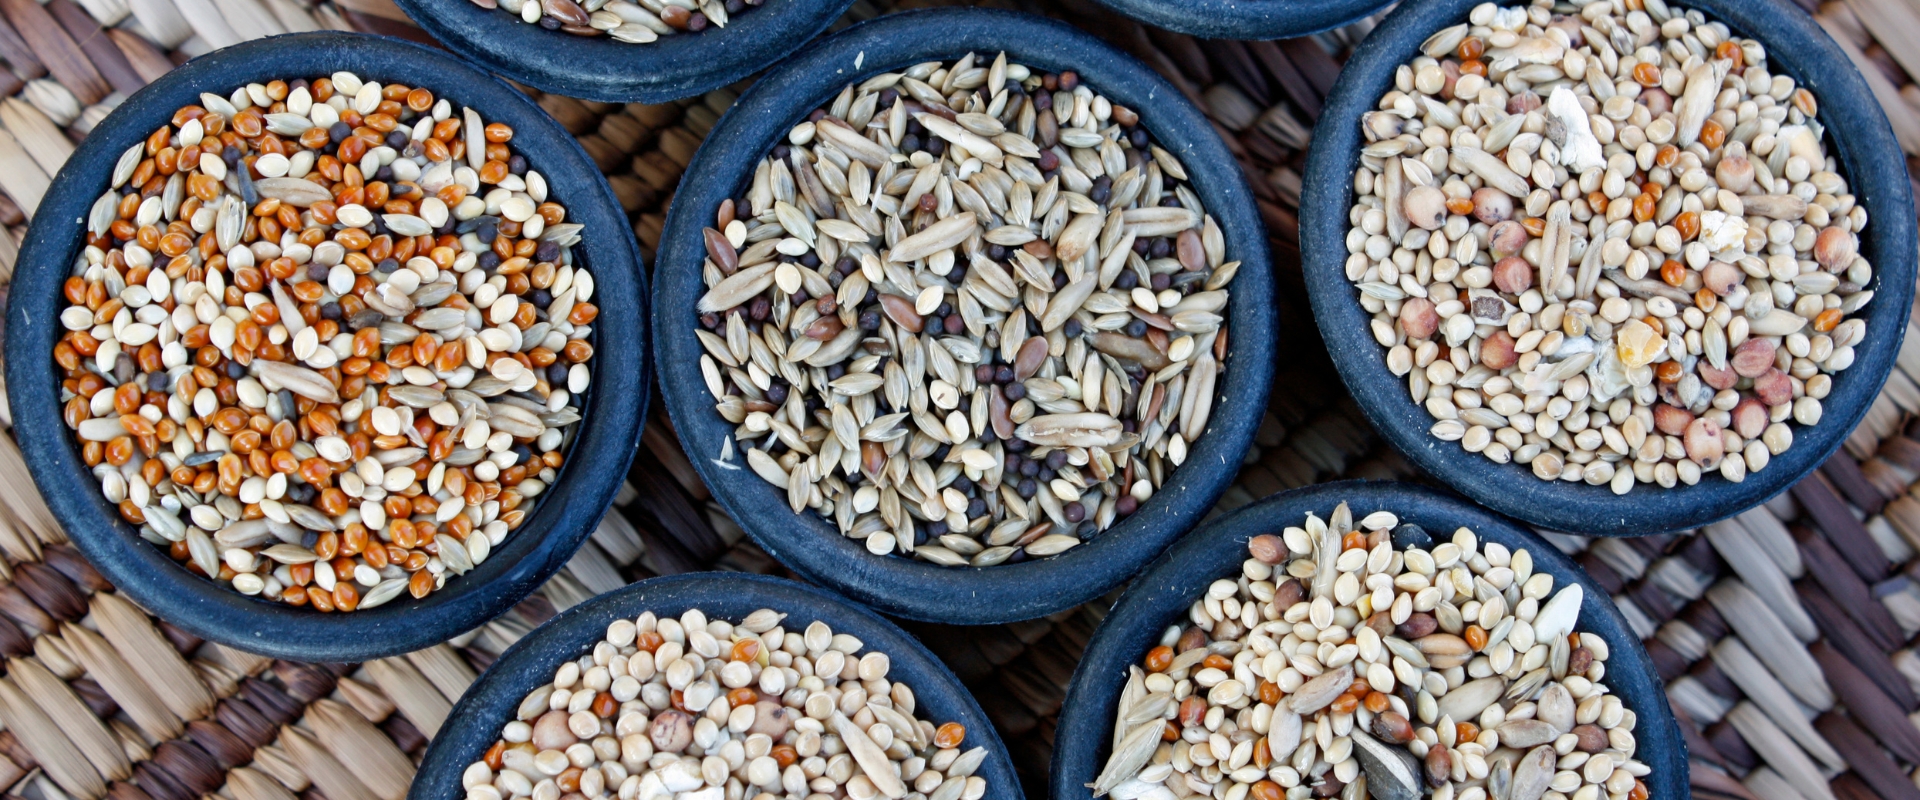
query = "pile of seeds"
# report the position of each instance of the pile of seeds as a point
(630, 21)
(698, 709)
(359, 363)
(1347, 661)
(967, 312)
(1611, 246)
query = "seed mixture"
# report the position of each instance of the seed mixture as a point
(1371, 660)
(1609, 246)
(630, 21)
(968, 312)
(699, 709)
(326, 339)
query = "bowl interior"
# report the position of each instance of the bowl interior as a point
(604, 69)
(1246, 19)
(1858, 134)
(612, 412)
(812, 546)
(491, 701)
(1166, 590)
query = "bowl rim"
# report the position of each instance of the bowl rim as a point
(1859, 135)
(607, 70)
(905, 587)
(1246, 19)
(570, 509)
(490, 700)
(1165, 590)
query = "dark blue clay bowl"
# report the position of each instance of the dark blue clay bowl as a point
(614, 406)
(490, 702)
(1164, 592)
(812, 546)
(1857, 132)
(1246, 19)
(604, 69)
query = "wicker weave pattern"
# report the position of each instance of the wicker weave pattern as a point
(1784, 634)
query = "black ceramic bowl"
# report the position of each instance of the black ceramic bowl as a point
(1246, 19)
(489, 703)
(812, 546)
(604, 69)
(1858, 134)
(1166, 590)
(567, 512)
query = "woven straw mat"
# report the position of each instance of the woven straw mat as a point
(1790, 663)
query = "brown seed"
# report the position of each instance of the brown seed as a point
(721, 251)
(1579, 660)
(1703, 442)
(1591, 738)
(1193, 254)
(671, 731)
(1750, 418)
(1497, 352)
(1752, 358)
(1192, 639)
(1392, 727)
(1671, 420)
(900, 310)
(1418, 319)
(1720, 277)
(1513, 274)
(1381, 622)
(1491, 205)
(1289, 593)
(566, 11)
(1773, 387)
(1717, 378)
(1439, 766)
(999, 411)
(1834, 249)
(1506, 238)
(1419, 624)
(1192, 711)
(1032, 354)
(1268, 549)
(824, 329)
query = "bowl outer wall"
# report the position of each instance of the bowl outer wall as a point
(604, 69)
(813, 547)
(1246, 19)
(569, 511)
(491, 701)
(1858, 133)
(1164, 592)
